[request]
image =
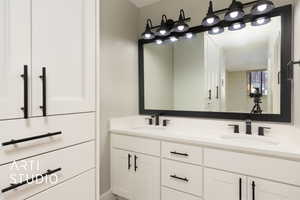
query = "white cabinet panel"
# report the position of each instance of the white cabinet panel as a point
(72, 161)
(222, 185)
(266, 190)
(14, 54)
(78, 188)
(169, 194)
(63, 42)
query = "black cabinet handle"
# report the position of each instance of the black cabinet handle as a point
(209, 94)
(240, 189)
(179, 178)
(253, 190)
(180, 154)
(15, 186)
(135, 163)
(129, 161)
(12, 142)
(217, 92)
(25, 79)
(44, 83)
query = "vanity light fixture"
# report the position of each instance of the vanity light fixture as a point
(148, 34)
(235, 11)
(181, 25)
(216, 30)
(261, 21)
(211, 18)
(262, 7)
(237, 26)
(159, 41)
(173, 39)
(164, 28)
(189, 35)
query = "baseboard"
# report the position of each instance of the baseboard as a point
(107, 196)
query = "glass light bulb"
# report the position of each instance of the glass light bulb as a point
(180, 28)
(163, 32)
(234, 14)
(237, 26)
(262, 7)
(189, 35)
(173, 39)
(147, 35)
(210, 20)
(159, 41)
(260, 20)
(216, 30)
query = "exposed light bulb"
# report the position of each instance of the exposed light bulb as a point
(159, 41)
(215, 30)
(147, 35)
(237, 26)
(210, 20)
(173, 39)
(180, 28)
(260, 21)
(234, 14)
(189, 35)
(163, 32)
(262, 7)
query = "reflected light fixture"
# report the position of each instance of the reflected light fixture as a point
(189, 35)
(261, 21)
(163, 30)
(148, 34)
(235, 11)
(262, 7)
(216, 30)
(181, 25)
(173, 39)
(237, 26)
(211, 19)
(158, 41)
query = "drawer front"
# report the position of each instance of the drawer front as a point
(169, 194)
(78, 188)
(184, 153)
(136, 144)
(63, 164)
(67, 130)
(183, 177)
(253, 165)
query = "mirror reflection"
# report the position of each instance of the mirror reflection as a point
(235, 71)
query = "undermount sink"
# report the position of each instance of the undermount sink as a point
(250, 139)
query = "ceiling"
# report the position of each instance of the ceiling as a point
(142, 3)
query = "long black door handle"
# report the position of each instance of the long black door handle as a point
(217, 92)
(14, 186)
(12, 142)
(44, 95)
(240, 189)
(129, 161)
(180, 154)
(135, 163)
(209, 94)
(25, 79)
(253, 190)
(179, 178)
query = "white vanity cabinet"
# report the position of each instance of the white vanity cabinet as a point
(193, 172)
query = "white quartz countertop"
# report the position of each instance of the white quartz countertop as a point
(282, 141)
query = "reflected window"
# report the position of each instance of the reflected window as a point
(258, 81)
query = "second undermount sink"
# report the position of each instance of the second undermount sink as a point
(250, 139)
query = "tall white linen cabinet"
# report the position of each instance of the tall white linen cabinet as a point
(49, 144)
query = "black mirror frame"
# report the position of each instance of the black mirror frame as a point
(286, 90)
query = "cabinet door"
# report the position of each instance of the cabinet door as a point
(220, 185)
(122, 173)
(14, 54)
(63, 42)
(146, 178)
(265, 190)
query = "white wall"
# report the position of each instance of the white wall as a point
(119, 71)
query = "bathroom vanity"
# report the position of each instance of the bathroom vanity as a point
(205, 161)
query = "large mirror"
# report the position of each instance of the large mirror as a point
(233, 72)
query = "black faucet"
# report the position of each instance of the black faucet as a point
(248, 127)
(156, 117)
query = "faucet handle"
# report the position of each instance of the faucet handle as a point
(261, 130)
(165, 122)
(149, 120)
(236, 128)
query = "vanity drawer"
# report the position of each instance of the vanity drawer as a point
(136, 144)
(78, 188)
(169, 194)
(67, 130)
(184, 153)
(183, 177)
(63, 165)
(253, 165)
